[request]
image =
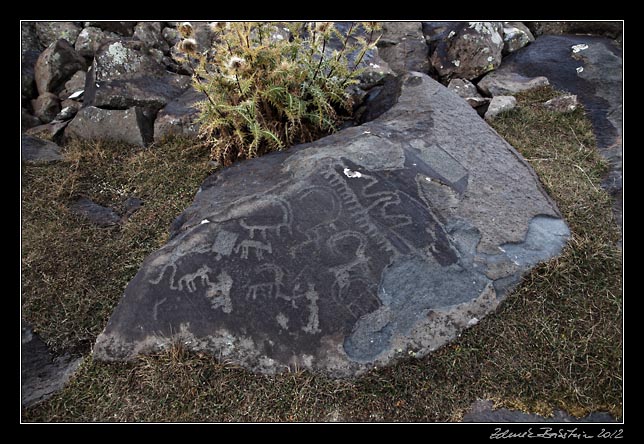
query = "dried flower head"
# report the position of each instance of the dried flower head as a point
(219, 26)
(185, 29)
(236, 63)
(188, 46)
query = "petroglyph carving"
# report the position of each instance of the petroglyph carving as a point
(313, 324)
(219, 292)
(258, 246)
(274, 209)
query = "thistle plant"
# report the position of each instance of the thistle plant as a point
(269, 86)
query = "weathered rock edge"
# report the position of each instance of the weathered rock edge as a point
(390, 238)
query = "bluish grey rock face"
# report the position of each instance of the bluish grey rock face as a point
(380, 241)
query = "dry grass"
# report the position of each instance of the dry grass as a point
(554, 343)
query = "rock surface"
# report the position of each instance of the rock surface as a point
(131, 126)
(56, 65)
(470, 50)
(563, 104)
(125, 74)
(402, 45)
(41, 374)
(46, 106)
(501, 82)
(35, 150)
(483, 411)
(179, 117)
(589, 67)
(95, 213)
(498, 105)
(377, 242)
(49, 32)
(468, 91)
(515, 36)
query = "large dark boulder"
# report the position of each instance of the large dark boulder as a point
(125, 74)
(56, 65)
(132, 126)
(381, 241)
(469, 50)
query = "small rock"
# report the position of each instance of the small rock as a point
(73, 85)
(437, 31)
(171, 36)
(150, 34)
(90, 39)
(66, 113)
(28, 120)
(179, 117)
(46, 106)
(563, 104)
(41, 373)
(29, 38)
(500, 83)
(125, 29)
(474, 49)
(95, 213)
(52, 131)
(131, 126)
(56, 65)
(500, 104)
(468, 91)
(27, 75)
(35, 150)
(403, 47)
(515, 36)
(49, 32)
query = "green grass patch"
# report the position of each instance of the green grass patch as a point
(554, 343)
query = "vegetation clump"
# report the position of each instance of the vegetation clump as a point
(270, 85)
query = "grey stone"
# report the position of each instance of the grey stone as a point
(179, 117)
(150, 34)
(75, 84)
(469, 51)
(125, 74)
(131, 126)
(90, 39)
(468, 91)
(483, 411)
(377, 242)
(171, 36)
(515, 36)
(502, 82)
(498, 105)
(46, 106)
(42, 373)
(35, 150)
(125, 29)
(27, 72)
(563, 104)
(603, 28)
(435, 32)
(67, 112)
(52, 131)
(49, 32)
(28, 120)
(95, 213)
(591, 68)
(56, 65)
(403, 47)
(29, 38)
